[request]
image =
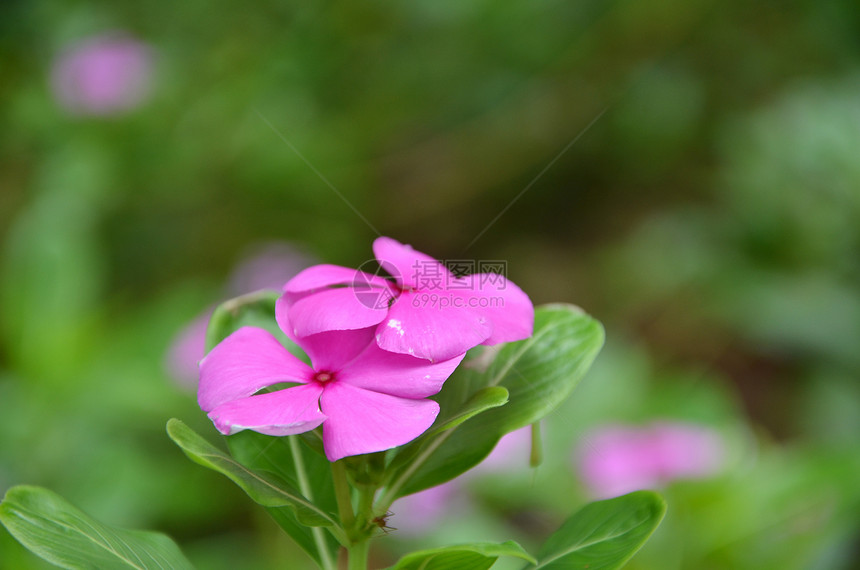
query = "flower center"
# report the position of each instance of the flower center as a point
(323, 377)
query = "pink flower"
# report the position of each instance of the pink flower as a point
(425, 311)
(615, 460)
(103, 75)
(686, 451)
(365, 398)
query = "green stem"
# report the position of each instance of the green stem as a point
(305, 488)
(536, 455)
(358, 555)
(343, 496)
(356, 523)
(365, 502)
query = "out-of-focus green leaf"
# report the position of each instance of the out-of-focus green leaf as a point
(539, 373)
(603, 535)
(264, 488)
(53, 529)
(478, 556)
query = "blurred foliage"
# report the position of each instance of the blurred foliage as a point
(709, 217)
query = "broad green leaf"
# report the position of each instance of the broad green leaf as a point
(539, 373)
(481, 401)
(264, 488)
(477, 556)
(55, 530)
(301, 467)
(484, 399)
(605, 534)
(542, 371)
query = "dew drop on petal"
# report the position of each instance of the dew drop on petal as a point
(396, 325)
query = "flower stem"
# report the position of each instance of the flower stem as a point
(305, 488)
(358, 547)
(358, 555)
(343, 496)
(366, 495)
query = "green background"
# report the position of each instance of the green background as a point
(687, 172)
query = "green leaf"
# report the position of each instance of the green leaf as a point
(477, 556)
(542, 371)
(481, 401)
(605, 534)
(292, 459)
(55, 530)
(264, 488)
(539, 373)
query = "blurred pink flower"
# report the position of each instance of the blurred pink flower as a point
(186, 350)
(420, 513)
(687, 450)
(615, 460)
(268, 266)
(103, 75)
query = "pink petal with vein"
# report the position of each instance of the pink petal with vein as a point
(332, 310)
(405, 264)
(397, 374)
(435, 331)
(361, 421)
(285, 412)
(243, 363)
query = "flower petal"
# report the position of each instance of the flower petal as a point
(360, 421)
(397, 374)
(241, 364)
(502, 302)
(285, 412)
(430, 326)
(331, 310)
(409, 266)
(325, 275)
